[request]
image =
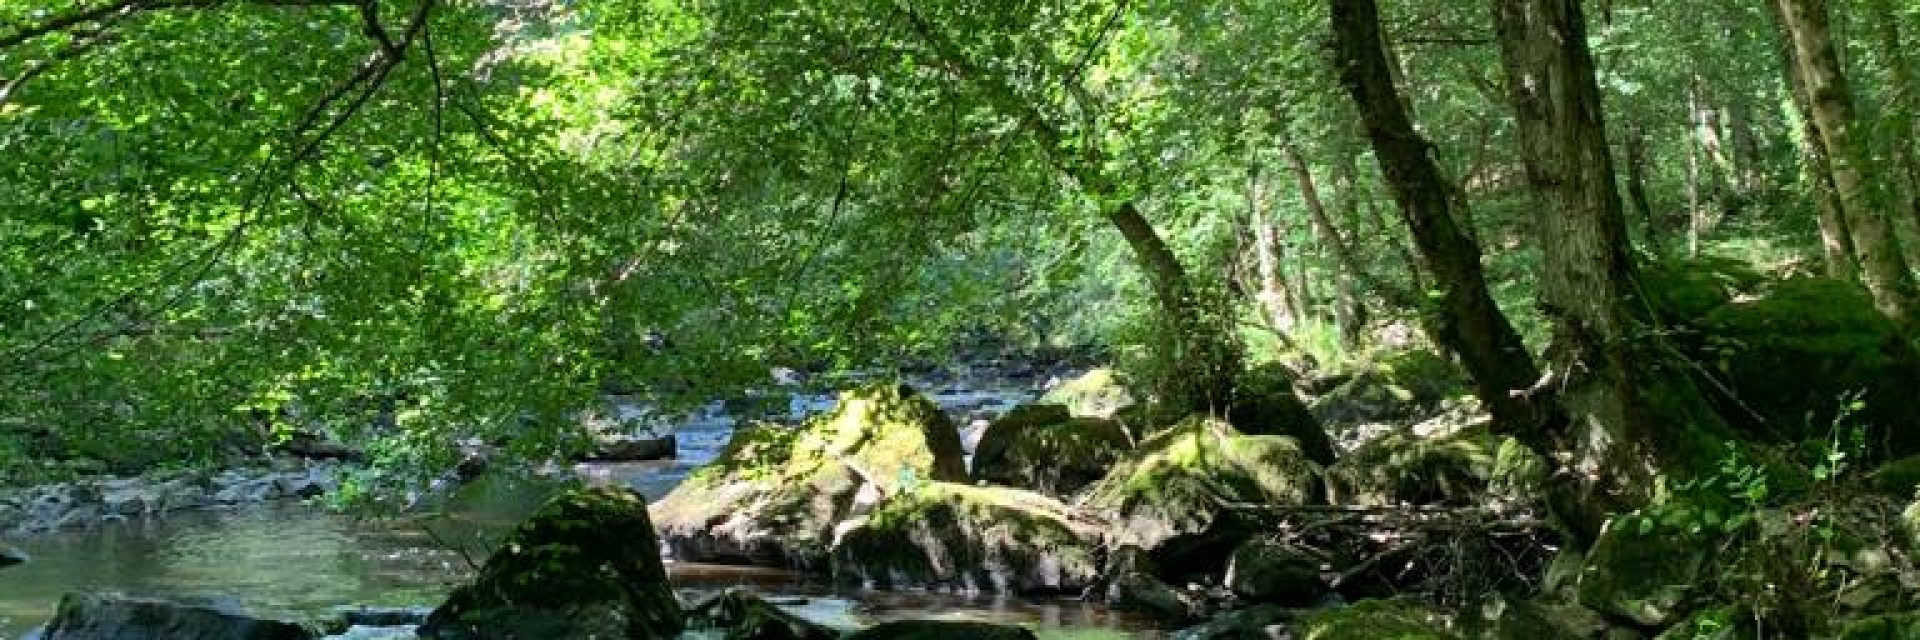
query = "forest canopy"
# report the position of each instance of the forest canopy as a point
(414, 222)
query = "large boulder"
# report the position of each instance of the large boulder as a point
(1176, 496)
(941, 630)
(1468, 467)
(1278, 573)
(775, 493)
(737, 614)
(1893, 626)
(586, 565)
(1132, 581)
(1642, 572)
(118, 617)
(1793, 354)
(1099, 393)
(970, 538)
(1044, 448)
(1264, 403)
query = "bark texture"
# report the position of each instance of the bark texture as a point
(1462, 315)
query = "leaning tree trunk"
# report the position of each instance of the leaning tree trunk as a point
(1463, 318)
(1637, 185)
(1857, 179)
(1904, 104)
(1836, 241)
(1588, 287)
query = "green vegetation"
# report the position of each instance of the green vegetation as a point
(1644, 270)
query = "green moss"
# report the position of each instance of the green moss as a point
(775, 493)
(1794, 354)
(1893, 626)
(1642, 572)
(1374, 620)
(985, 538)
(587, 563)
(1096, 394)
(1042, 447)
(1457, 469)
(1177, 483)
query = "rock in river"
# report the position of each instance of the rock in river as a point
(1172, 497)
(970, 538)
(1044, 448)
(775, 493)
(118, 617)
(740, 615)
(586, 565)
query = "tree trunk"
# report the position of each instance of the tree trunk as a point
(1464, 318)
(1904, 106)
(1856, 178)
(1328, 234)
(1587, 288)
(1836, 241)
(1272, 289)
(1637, 184)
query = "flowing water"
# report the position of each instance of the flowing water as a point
(301, 562)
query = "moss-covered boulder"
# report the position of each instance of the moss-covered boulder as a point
(1468, 467)
(1794, 353)
(1174, 496)
(1132, 581)
(1044, 448)
(775, 493)
(1642, 573)
(1374, 620)
(737, 614)
(1726, 622)
(1390, 387)
(1099, 393)
(1278, 573)
(1898, 478)
(941, 630)
(1893, 626)
(991, 539)
(1264, 403)
(586, 565)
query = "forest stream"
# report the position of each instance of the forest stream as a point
(298, 561)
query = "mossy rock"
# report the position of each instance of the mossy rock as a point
(1172, 495)
(992, 539)
(1899, 478)
(1469, 467)
(1276, 573)
(586, 565)
(1374, 620)
(1892, 626)
(1132, 581)
(1099, 393)
(774, 493)
(1794, 355)
(1683, 291)
(942, 630)
(1646, 574)
(1725, 622)
(740, 615)
(1264, 403)
(1046, 449)
(1513, 619)
(1393, 386)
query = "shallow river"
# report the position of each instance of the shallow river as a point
(300, 562)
